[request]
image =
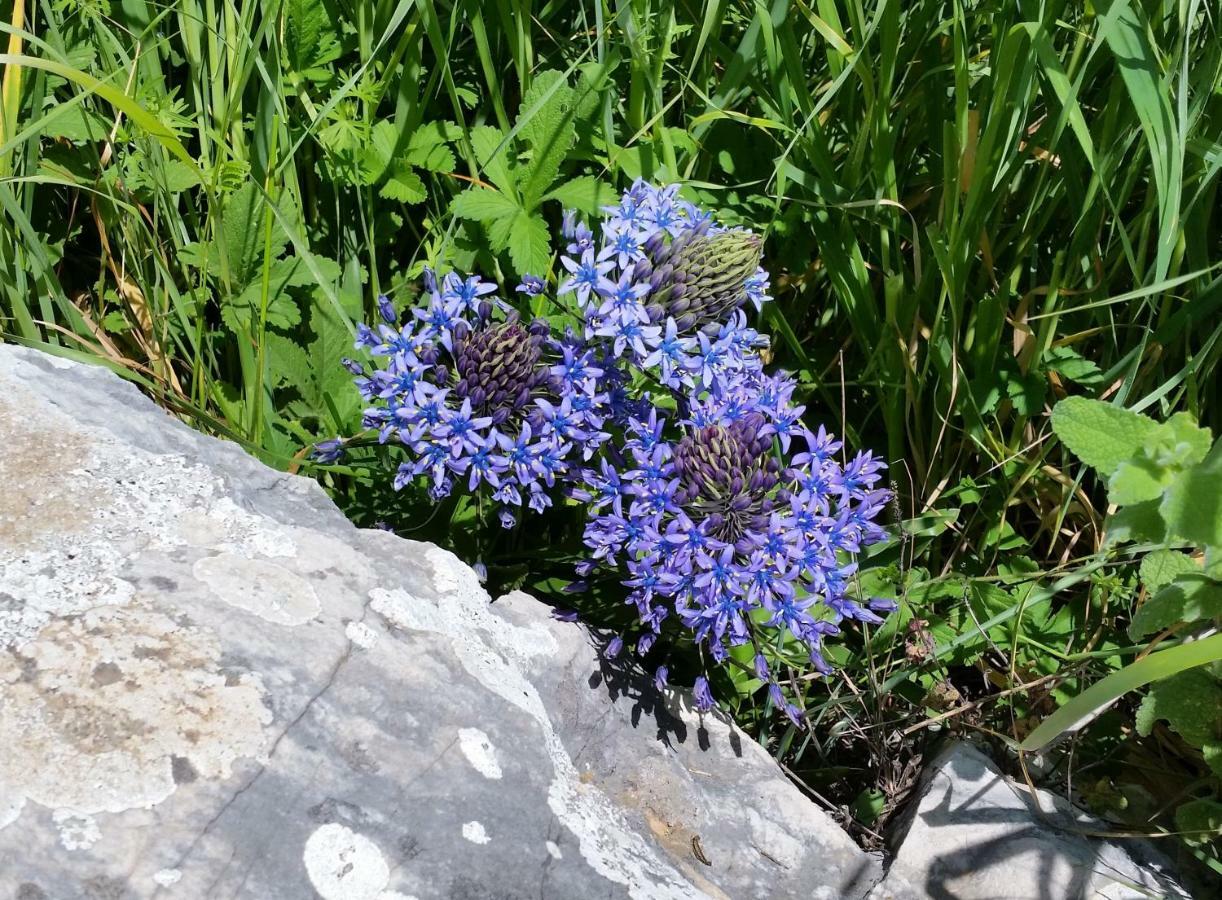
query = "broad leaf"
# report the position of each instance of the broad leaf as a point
(1192, 506)
(1191, 702)
(1101, 435)
(1187, 599)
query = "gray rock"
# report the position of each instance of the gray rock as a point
(213, 685)
(977, 835)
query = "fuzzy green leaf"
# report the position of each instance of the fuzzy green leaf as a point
(1192, 506)
(1162, 567)
(1101, 435)
(1139, 522)
(1191, 702)
(1187, 599)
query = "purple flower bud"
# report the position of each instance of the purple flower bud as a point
(564, 615)
(614, 647)
(660, 676)
(645, 643)
(387, 310)
(761, 667)
(531, 286)
(882, 606)
(481, 571)
(703, 694)
(329, 451)
(352, 366)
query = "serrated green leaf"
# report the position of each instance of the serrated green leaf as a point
(310, 42)
(1162, 567)
(484, 205)
(73, 122)
(1184, 441)
(404, 185)
(1192, 505)
(493, 158)
(546, 125)
(433, 158)
(1101, 435)
(1189, 598)
(529, 247)
(585, 194)
(243, 234)
(287, 362)
(1190, 702)
(1070, 364)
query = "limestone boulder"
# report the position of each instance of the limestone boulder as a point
(213, 685)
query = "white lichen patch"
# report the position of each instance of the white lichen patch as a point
(344, 865)
(475, 833)
(117, 704)
(265, 589)
(167, 877)
(361, 635)
(479, 751)
(493, 651)
(553, 850)
(79, 504)
(76, 831)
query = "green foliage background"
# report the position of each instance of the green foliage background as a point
(971, 209)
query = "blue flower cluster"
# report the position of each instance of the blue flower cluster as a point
(664, 285)
(479, 396)
(717, 524)
(703, 486)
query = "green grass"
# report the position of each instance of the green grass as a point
(971, 210)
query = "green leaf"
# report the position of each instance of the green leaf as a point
(1191, 702)
(73, 122)
(310, 42)
(1071, 365)
(1162, 567)
(545, 124)
(1187, 599)
(404, 185)
(1138, 480)
(1101, 435)
(529, 247)
(494, 162)
(242, 234)
(585, 194)
(1139, 522)
(1192, 506)
(484, 205)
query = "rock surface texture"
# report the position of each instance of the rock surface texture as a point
(213, 685)
(975, 835)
